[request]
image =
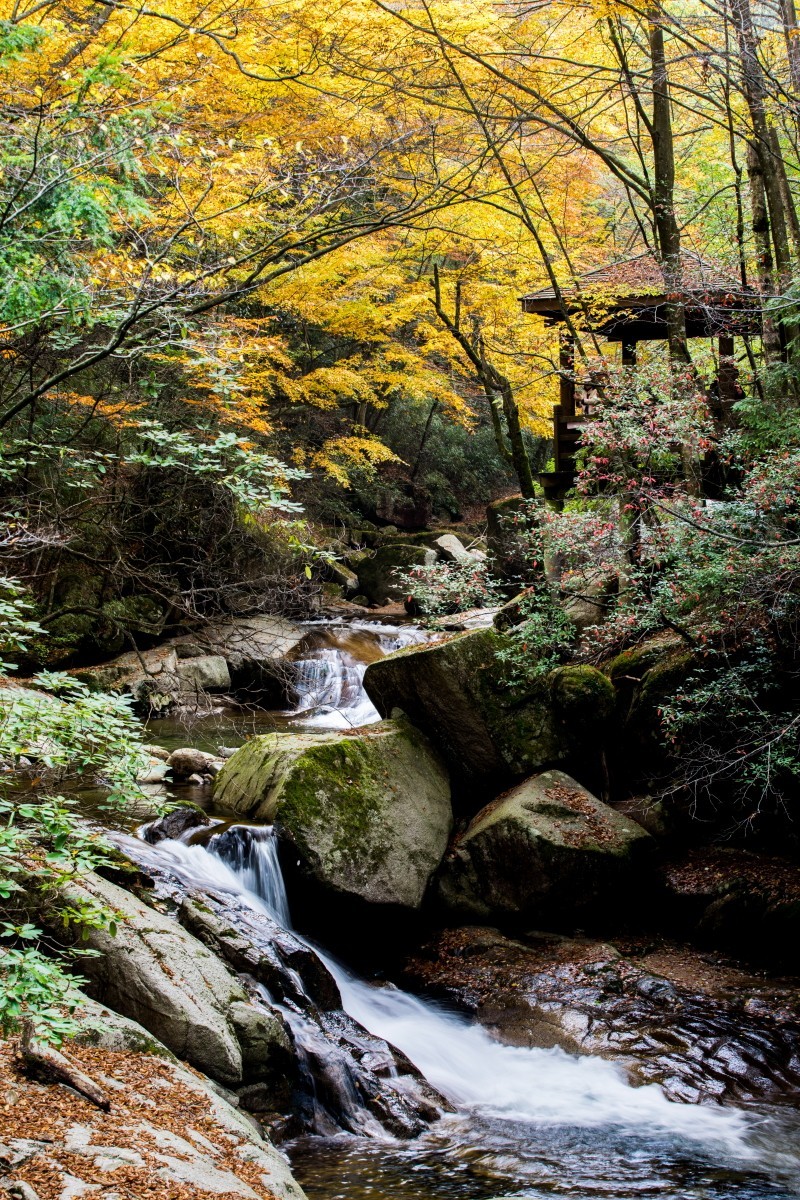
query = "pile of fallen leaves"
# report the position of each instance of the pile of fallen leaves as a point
(51, 1136)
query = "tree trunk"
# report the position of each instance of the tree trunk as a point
(667, 229)
(764, 266)
(755, 92)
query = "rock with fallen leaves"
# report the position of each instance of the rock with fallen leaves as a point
(167, 1135)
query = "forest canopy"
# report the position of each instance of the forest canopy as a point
(265, 258)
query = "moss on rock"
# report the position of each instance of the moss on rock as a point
(377, 575)
(368, 812)
(548, 850)
(583, 696)
(459, 693)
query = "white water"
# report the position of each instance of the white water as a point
(329, 678)
(477, 1074)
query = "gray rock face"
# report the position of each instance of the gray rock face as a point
(188, 761)
(217, 1150)
(248, 642)
(368, 812)
(154, 972)
(546, 851)
(206, 673)
(377, 575)
(174, 824)
(451, 549)
(245, 654)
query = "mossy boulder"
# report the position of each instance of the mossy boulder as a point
(368, 813)
(548, 851)
(584, 698)
(378, 575)
(460, 694)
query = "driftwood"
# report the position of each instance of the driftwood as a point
(44, 1060)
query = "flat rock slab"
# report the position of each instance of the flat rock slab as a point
(588, 998)
(167, 1132)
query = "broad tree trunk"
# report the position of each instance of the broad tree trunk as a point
(764, 266)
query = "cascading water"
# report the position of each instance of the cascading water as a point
(507, 1093)
(467, 1066)
(328, 672)
(528, 1123)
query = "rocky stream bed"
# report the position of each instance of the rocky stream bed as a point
(536, 1002)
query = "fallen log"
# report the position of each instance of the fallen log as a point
(41, 1059)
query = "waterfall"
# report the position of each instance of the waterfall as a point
(328, 672)
(458, 1058)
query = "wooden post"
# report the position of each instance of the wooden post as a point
(566, 406)
(566, 363)
(726, 379)
(628, 353)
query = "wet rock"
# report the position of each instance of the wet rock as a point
(174, 824)
(265, 1042)
(377, 575)
(340, 1074)
(252, 943)
(547, 851)
(154, 972)
(186, 761)
(544, 990)
(367, 812)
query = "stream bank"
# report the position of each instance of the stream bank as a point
(512, 1076)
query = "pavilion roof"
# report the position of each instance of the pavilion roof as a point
(639, 282)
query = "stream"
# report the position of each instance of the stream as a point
(527, 1124)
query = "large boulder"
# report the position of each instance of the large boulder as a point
(452, 549)
(204, 673)
(368, 812)
(548, 851)
(506, 520)
(148, 968)
(491, 728)
(378, 575)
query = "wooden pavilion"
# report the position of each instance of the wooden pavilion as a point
(625, 302)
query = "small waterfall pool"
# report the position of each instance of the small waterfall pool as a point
(529, 1124)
